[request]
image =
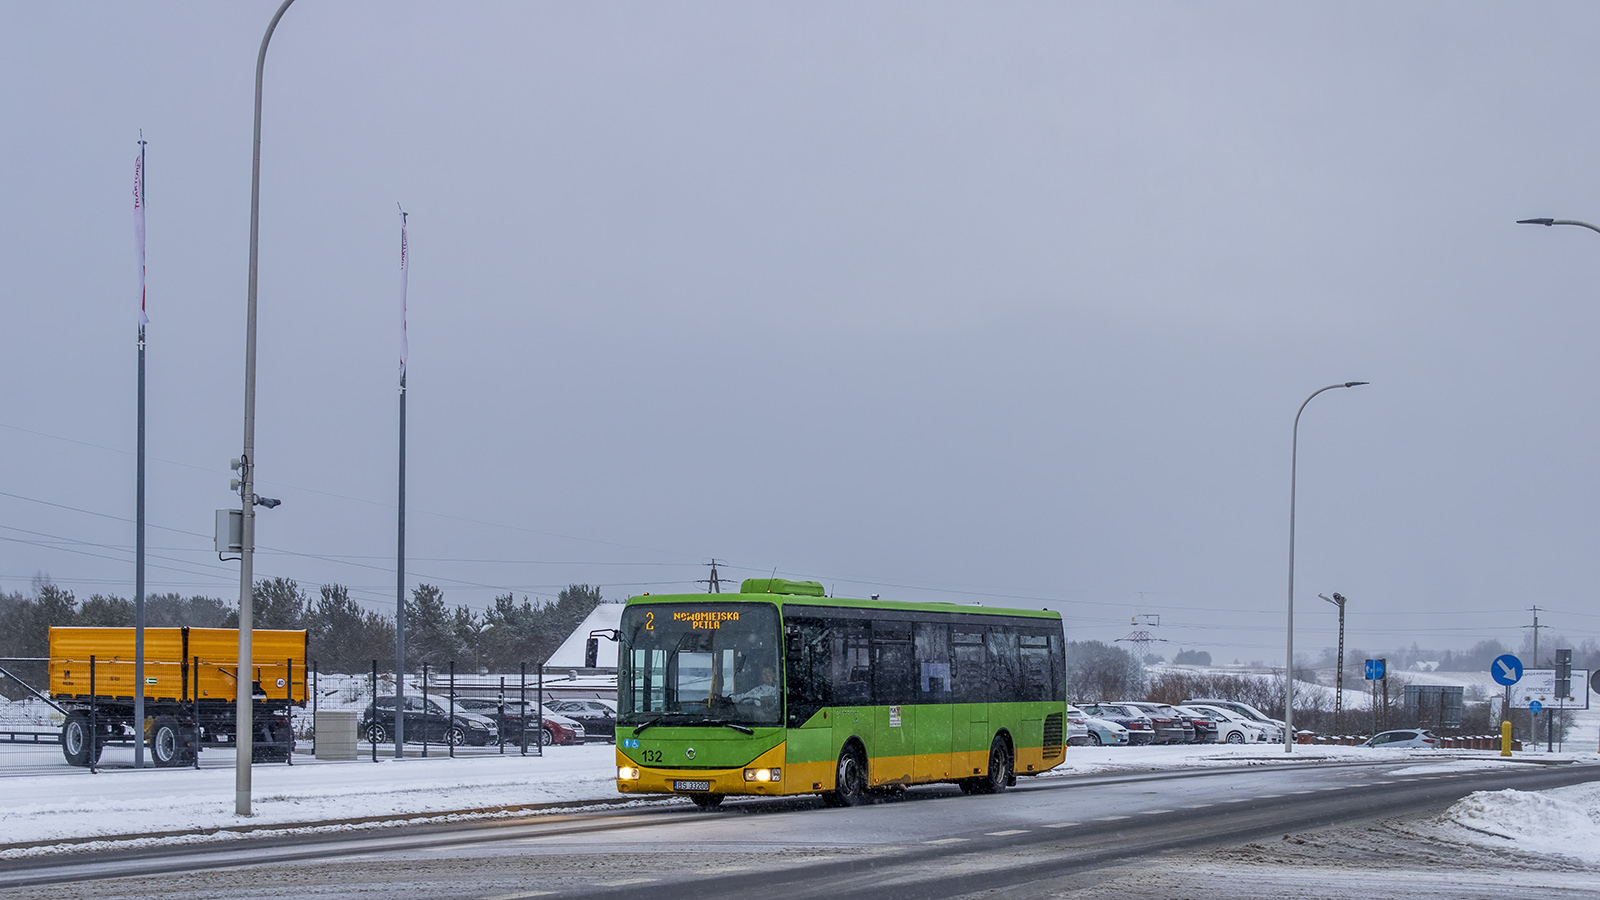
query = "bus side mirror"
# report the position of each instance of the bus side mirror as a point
(591, 652)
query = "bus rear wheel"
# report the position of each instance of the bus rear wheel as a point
(850, 781)
(999, 776)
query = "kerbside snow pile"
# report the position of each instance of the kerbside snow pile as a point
(1562, 821)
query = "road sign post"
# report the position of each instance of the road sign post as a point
(1375, 671)
(1506, 670)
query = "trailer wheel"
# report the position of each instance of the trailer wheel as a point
(167, 742)
(79, 744)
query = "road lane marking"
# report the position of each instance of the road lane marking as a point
(1198, 805)
(626, 881)
(1005, 833)
(522, 896)
(1302, 792)
(1383, 782)
(1063, 825)
(1239, 800)
(947, 841)
(1110, 818)
(1267, 796)
(1155, 812)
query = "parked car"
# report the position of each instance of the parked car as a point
(599, 719)
(1233, 728)
(1243, 709)
(558, 729)
(1105, 733)
(1205, 725)
(1404, 739)
(1171, 726)
(1140, 729)
(1077, 729)
(426, 719)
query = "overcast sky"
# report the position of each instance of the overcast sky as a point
(1006, 303)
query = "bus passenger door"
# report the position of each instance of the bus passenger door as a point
(969, 677)
(893, 686)
(934, 715)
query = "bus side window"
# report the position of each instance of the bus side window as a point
(933, 663)
(1005, 668)
(1036, 668)
(893, 679)
(810, 687)
(970, 666)
(852, 663)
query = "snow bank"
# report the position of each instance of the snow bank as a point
(1562, 821)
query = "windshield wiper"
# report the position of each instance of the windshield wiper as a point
(726, 724)
(660, 719)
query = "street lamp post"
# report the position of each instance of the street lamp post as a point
(244, 718)
(1288, 668)
(1558, 222)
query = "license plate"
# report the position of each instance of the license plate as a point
(691, 785)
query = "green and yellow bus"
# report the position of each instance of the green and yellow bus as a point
(781, 690)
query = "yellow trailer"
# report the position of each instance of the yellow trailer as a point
(190, 688)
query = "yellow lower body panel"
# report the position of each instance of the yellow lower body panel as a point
(806, 778)
(716, 781)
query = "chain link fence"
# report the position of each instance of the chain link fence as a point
(371, 716)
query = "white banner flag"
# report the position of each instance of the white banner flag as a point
(138, 230)
(404, 343)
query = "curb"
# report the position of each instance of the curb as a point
(374, 821)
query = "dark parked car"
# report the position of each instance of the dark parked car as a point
(558, 729)
(426, 720)
(599, 720)
(1140, 730)
(1172, 727)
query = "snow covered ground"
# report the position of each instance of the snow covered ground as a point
(50, 813)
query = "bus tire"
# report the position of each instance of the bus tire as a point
(79, 744)
(706, 801)
(850, 779)
(1000, 775)
(166, 742)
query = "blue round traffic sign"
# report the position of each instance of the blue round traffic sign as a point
(1534, 706)
(1506, 669)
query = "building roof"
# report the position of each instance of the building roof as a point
(570, 654)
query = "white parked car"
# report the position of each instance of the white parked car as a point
(1105, 733)
(1245, 710)
(1233, 728)
(1404, 739)
(1077, 732)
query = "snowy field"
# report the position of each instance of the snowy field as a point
(51, 813)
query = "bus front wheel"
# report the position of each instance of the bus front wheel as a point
(850, 782)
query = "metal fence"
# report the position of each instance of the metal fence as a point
(90, 727)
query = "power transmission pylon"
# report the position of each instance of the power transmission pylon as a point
(1142, 638)
(714, 583)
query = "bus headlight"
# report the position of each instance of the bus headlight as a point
(763, 774)
(627, 773)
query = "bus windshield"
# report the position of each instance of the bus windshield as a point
(694, 664)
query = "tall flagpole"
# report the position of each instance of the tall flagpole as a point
(400, 555)
(138, 539)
